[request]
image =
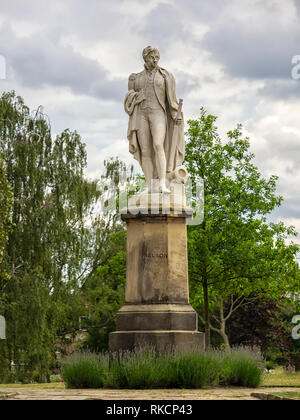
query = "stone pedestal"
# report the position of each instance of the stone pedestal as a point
(156, 310)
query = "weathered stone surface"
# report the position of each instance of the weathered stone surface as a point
(58, 392)
(157, 310)
(156, 260)
(155, 128)
(156, 317)
(124, 340)
(152, 204)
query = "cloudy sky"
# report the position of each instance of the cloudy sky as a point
(233, 57)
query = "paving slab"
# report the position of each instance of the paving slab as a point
(231, 393)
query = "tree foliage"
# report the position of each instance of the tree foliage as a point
(46, 249)
(64, 259)
(104, 293)
(104, 287)
(267, 323)
(235, 253)
(5, 207)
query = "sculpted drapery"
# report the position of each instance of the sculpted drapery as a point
(152, 107)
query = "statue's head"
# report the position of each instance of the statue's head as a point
(151, 56)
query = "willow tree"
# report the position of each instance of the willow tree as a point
(46, 250)
(5, 206)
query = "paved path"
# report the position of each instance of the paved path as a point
(232, 393)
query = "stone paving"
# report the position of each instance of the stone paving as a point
(232, 393)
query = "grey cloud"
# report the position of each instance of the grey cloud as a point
(247, 52)
(297, 5)
(251, 49)
(290, 206)
(281, 89)
(163, 25)
(202, 10)
(246, 49)
(284, 148)
(94, 20)
(89, 20)
(289, 209)
(40, 60)
(186, 83)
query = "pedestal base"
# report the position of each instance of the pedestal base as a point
(157, 312)
(161, 340)
(157, 317)
(158, 325)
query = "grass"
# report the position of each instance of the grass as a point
(241, 368)
(294, 395)
(147, 369)
(281, 378)
(85, 370)
(57, 385)
(144, 369)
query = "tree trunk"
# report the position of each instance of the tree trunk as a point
(206, 315)
(222, 330)
(225, 339)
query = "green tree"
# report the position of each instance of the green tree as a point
(104, 286)
(5, 221)
(5, 207)
(267, 323)
(104, 294)
(105, 221)
(235, 254)
(46, 251)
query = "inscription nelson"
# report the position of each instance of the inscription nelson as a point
(155, 255)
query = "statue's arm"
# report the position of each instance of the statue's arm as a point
(133, 96)
(131, 80)
(140, 94)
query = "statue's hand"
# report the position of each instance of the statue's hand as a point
(141, 96)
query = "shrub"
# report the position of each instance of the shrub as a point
(196, 369)
(85, 370)
(146, 368)
(241, 367)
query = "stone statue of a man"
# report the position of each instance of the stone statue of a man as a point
(154, 118)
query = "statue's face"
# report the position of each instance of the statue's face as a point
(152, 60)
